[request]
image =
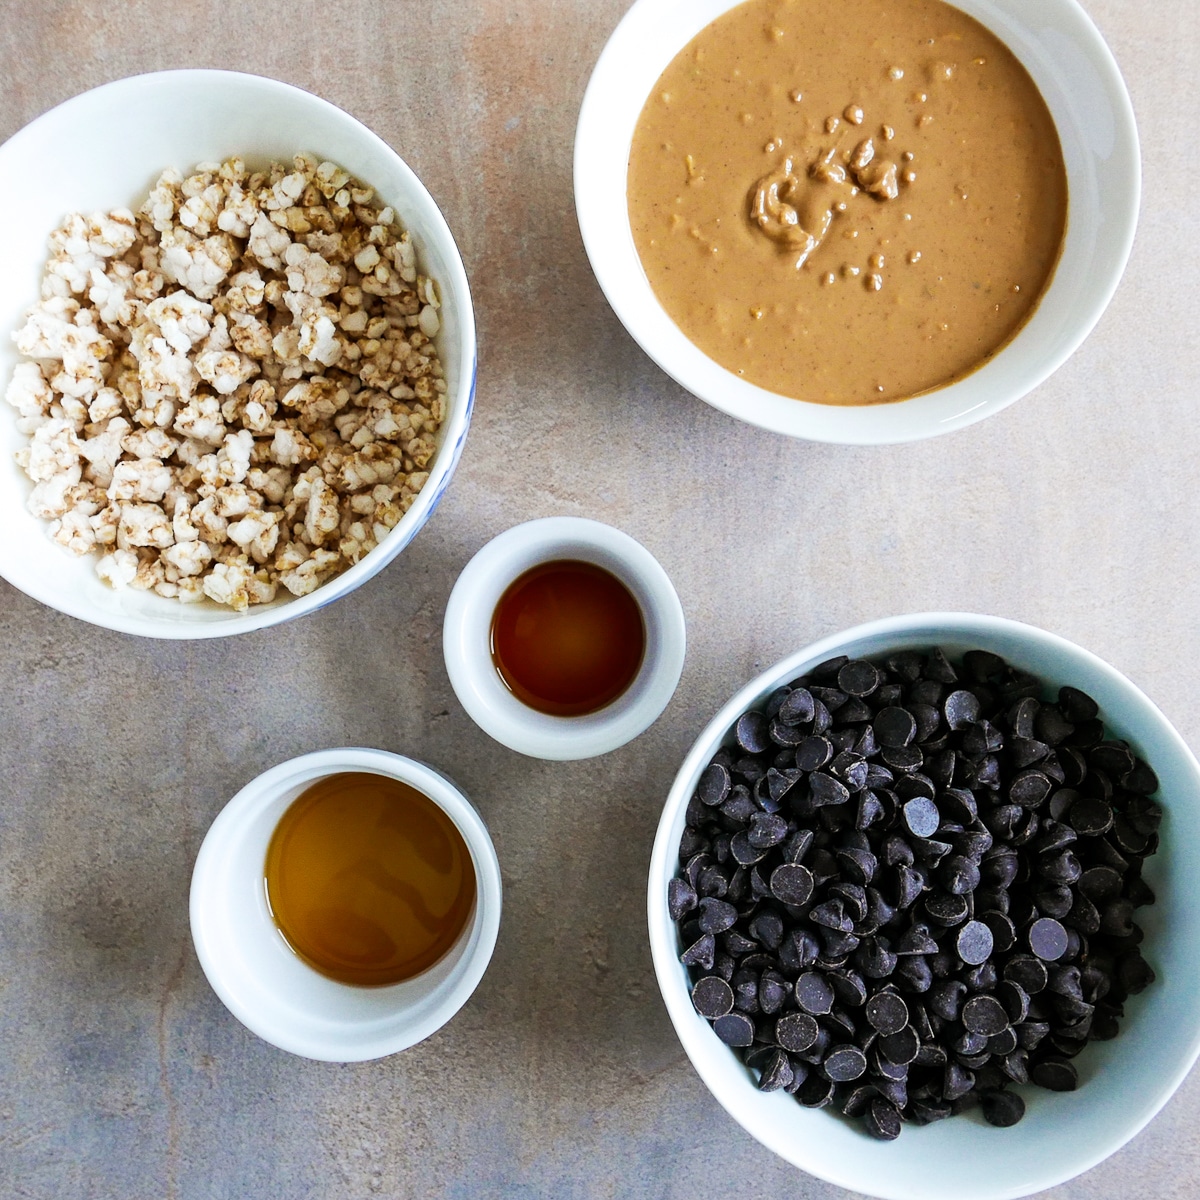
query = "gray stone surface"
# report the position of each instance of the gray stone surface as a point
(121, 1075)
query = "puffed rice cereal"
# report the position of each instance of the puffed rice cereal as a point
(234, 388)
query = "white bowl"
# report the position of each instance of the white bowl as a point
(266, 985)
(1076, 74)
(1123, 1082)
(466, 639)
(104, 149)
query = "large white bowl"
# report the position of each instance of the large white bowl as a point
(1075, 71)
(103, 150)
(1123, 1082)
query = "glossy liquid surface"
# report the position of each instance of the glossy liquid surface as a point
(567, 638)
(369, 881)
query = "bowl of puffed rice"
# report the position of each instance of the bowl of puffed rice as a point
(238, 349)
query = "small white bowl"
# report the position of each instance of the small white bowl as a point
(103, 150)
(1123, 1082)
(1078, 77)
(466, 639)
(266, 985)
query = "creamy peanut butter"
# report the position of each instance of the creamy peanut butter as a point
(847, 201)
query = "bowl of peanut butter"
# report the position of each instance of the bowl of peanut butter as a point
(857, 222)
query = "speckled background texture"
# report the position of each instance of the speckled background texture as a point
(121, 1074)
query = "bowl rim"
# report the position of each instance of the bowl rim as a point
(460, 405)
(630, 296)
(661, 929)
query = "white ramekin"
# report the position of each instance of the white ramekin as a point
(262, 981)
(466, 639)
(104, 149)
(1079, 79)
(1123, 1082)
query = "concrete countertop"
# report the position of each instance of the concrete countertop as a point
(121, 1075)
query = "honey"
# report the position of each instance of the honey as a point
(568, 638)
(368, 880)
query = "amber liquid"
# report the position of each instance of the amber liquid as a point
(369, 881)
(568, 638)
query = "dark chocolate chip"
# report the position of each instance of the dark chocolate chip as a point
(1002, 1108)
(776, 1071)
(797, 1032)
(1047, 939)
(887, 1012)
(816, 1091)
(752, 733)
(793, 884)
(882, 1120)
(858, 678)
(714, 785)
(734, 1029)
(974, 942)
(984, 1015)
(894, 727)
(946, 908)
(961, 709)
(844, 1063)
(681, 898)
(712, 997)
(1091, 816)
(814, 994)
(922, 817)
(1057, 1074)
(716, 915)
(825, 790)
(1077, 706)
(797, 708)
(902, 1046)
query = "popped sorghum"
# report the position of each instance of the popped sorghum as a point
(234, 388)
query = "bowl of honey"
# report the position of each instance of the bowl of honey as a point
(564, 638)
(346, 903)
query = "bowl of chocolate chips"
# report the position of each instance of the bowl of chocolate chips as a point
(919, 910)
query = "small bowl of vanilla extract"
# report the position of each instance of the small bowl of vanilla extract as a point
(345, 904)
(564, 638)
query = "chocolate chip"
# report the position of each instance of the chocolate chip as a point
(1057, 1074)
(882, 1120)
(796, 1032)
(1002, 1108)
(1077, 706)
(752, 732)
(844, 1063)
(984, 1015)
(814, 993)
(734, 1029)
(961, 709)
(813, 753)
(776, 1071)
(793, 884)
(858, 678)
(712, 997)
(894, 726)
(1047, 939)
(700, 952)
(922, 817)
(946, 908)
(1091, 816)
(714, 785)
(974, 942)
(887, 1012)
(902, 1046)
(716, 915)
(797, 708)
